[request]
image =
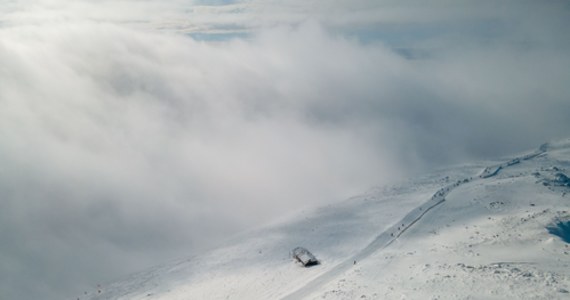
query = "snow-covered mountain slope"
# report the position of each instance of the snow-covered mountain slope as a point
(497, 230)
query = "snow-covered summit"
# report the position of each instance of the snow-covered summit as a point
(492, 231)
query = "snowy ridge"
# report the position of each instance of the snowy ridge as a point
(499, 232)
(495, 169)
(389, 236)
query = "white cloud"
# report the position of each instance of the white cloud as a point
(114, 140)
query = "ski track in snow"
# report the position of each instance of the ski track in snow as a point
(387, 237)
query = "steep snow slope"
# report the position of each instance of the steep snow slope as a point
(486, 231)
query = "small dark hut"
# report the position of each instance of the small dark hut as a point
(304, 256)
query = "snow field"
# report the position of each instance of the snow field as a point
(488, 240)
(452, 234)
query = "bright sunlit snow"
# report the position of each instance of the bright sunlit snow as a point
(451, 234)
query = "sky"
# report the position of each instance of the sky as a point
(136, 132)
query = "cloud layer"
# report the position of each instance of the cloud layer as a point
(124, 145)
